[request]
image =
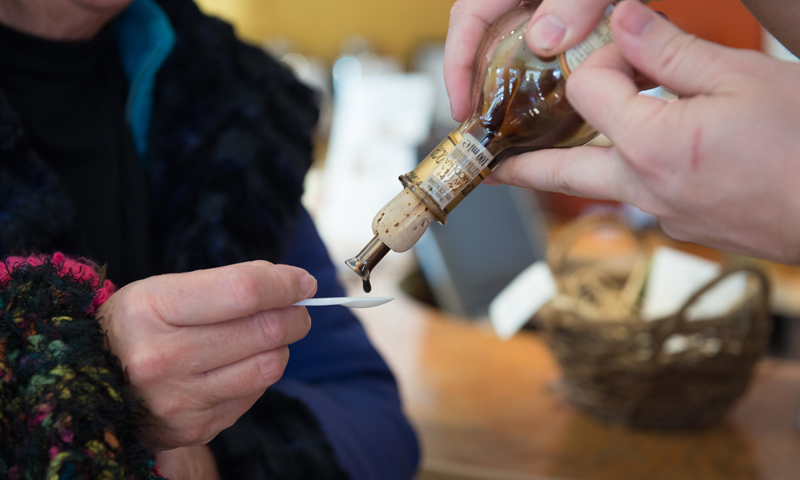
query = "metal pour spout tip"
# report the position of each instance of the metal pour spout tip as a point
(357, 267)
(363, 263)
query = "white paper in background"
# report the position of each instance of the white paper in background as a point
(721, 299)
(378, 122)
(516, 304)
(675, 276)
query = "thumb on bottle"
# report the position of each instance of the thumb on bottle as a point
(664, 53)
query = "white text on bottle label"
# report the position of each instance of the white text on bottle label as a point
(601, 35)
(454, 172)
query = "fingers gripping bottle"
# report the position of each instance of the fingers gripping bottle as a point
(518, 104)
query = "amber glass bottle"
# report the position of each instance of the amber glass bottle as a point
(518, 104)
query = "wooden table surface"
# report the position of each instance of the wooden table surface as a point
(491, 409)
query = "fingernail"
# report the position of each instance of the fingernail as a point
(547, 32)
(638, 20)
(308, 285)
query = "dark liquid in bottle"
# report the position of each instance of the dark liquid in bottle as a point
(525, 108)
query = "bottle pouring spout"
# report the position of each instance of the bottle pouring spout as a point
(363, 263)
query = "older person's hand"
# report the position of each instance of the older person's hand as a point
(718, 167)
(201, 347)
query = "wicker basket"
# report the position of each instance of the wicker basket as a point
(615, 365)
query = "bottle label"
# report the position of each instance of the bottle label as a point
(456, 170)
(601, 35)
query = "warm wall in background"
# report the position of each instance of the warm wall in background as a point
(723, 21)
(317, 27)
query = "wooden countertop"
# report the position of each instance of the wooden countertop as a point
(491, 409)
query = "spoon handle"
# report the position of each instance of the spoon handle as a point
(354, 302)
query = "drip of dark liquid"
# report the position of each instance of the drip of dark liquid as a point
(366, 259)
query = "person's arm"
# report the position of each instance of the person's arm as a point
(780, 18)
(188, 463)
(197, 350)
(64, 405)
(336, 410)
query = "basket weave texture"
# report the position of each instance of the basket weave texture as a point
(616, 366)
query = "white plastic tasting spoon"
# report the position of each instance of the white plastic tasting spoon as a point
(354, 302)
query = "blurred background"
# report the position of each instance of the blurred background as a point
(378, 68)
(486, 408)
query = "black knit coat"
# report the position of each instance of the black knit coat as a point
(229, 144)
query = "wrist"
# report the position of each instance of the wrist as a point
(195, 462)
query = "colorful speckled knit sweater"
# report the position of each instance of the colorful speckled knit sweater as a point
(63, 407)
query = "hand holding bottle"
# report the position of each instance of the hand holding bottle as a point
(554, 27)
(718, 167)
(518, 103)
